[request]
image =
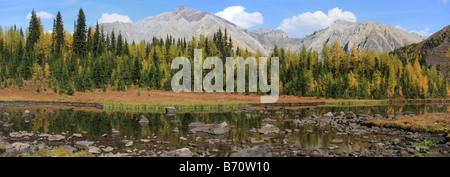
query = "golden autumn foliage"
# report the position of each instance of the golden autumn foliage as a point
(97, 60)
(431, 122)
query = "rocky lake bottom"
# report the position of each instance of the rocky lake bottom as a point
(245, 132)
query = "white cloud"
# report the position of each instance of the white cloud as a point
(111, 18)
(425, 32)
(306, 23)
(445, 1)
(238, 16)
(42, 14)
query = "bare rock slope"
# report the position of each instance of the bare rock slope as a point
(186, 23)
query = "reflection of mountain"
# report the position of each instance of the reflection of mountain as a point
(188, 23)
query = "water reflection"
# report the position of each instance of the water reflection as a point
(98, 126)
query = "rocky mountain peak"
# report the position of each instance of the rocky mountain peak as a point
(343, 22)
(185, 10)
(265, 32)
(184, 22)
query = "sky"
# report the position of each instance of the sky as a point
(296, 17)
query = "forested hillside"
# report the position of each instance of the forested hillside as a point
(434, 51)
(90, 59)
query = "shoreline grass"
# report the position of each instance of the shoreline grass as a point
(203, 107)
(357, 102)
(58, 152)
(431, 122)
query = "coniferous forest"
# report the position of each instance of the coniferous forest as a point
(91, 59)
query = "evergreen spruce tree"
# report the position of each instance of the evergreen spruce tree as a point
(32, 38)
(59, 35)
(137, 71)
(112, 45)
(119, 46)
(97, 73)
(97, 41)
(80, 35)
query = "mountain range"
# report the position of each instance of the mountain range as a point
(186, 23)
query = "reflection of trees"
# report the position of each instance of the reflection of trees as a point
(99, 123)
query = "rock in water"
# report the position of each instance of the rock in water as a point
(246, 108)
(15, 134)
(171, 110)
(328, 114)
(94, 150)
(115, 132)
(175, 130)
(144, 121)
(350, 115)
(183, 152)
(364, 116)
(8, 125)
(218, 129)
(83, 144)
(56, 137)
(268, 120)
(214, 129)
(20, 145)
(255, 141)
(129, 144)
(77, 135)
(378, 116)
(28, 114)
(196, 124)
(269, 129)
(337, 141)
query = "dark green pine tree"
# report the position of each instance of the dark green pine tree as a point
(32, 38)
(90, 40)
(137, 71)
(125, 49)
(80, 35)
(155, 72)
(96, 46)
(97, 73)
(58, 42)
(33, 34)
(119, 45)
(53, 36)
(112, 45)
(102, 42)
(78, 81)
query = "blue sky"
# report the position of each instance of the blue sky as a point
(297, 17)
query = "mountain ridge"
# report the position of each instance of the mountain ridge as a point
(185, 22)
(434, 51)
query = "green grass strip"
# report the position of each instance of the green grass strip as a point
(357, 102)
(160, 108)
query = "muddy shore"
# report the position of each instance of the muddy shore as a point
(6, 104)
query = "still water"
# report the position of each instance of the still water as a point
(109, 128)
